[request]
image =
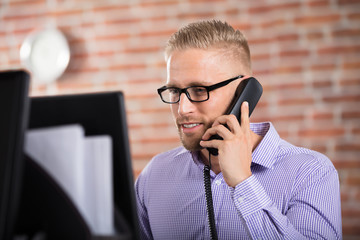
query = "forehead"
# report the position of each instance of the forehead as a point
(198, 66)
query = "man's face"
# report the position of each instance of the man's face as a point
(196, 67)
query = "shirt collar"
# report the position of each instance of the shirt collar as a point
(265, 153)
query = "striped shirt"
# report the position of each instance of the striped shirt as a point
(293, 193)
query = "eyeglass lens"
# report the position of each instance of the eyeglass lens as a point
(172, 95)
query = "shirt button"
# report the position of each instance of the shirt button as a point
(240, 199)
(218, 182)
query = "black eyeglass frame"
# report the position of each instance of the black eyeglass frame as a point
(208, 89)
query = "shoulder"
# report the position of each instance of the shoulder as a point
(303, 156)
(164, 161)
(168, 157)
(308, 166)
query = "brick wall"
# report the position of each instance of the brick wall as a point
(306, 53)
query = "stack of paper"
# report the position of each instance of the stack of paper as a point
(82, 166)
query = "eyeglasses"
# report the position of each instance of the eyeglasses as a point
(171, 95)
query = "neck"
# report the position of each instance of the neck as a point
(215, 166)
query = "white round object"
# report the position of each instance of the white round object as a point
(46, 54)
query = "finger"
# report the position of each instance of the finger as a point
(245, 115)
(228, 120)
(220, 130)
(211, 144)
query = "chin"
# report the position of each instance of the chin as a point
(191, 144)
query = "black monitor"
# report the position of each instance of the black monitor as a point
(99, 114)
(13, 122)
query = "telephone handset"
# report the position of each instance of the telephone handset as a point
(249, 90)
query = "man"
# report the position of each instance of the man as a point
(263, 187)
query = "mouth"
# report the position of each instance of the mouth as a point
(190, 127)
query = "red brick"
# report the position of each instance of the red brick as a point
(354, 16)
(142, 50)
(127, 66)
(315, 36)
(232, 11)
(351, 65)
(284, 86)
(147, 4)
(288, 69)
(351, 230)
(353, 180)
(123, 21)
(157, 33)
(300, 100)
(261, 56)
(296, 52)
(112, 36)
(26, 3)
(322, 84)
(262, 40)
(287, 118)
(317, 3)
(273, 23)
(348, 32)
(352, 213)
(346, 2)
(192, 16)
(275, 7)
(117, 6)
(348, 147)
(316, 115)
(287, 37)
(205, 1)
(21, 17)
(351, 115)
(74, 86)
(321, 133)
(242, 26)
(322, 66)
(344, 98)
(316, 20)
(66, 12)
(350, 82)
(339, 49)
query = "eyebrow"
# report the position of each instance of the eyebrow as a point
(192, 84)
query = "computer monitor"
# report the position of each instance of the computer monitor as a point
(99, 114)
(14, 102)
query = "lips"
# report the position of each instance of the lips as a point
(190, 125)
(190, 128)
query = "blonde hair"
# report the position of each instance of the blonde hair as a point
(210, 34)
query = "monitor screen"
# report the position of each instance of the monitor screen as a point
(14, 100)
(98, 114)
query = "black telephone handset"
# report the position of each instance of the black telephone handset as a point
(249, 90)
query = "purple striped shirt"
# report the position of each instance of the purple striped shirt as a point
(293, 193)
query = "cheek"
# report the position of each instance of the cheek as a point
(174, 110)
(219, 104)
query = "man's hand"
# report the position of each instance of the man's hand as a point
(236, 147)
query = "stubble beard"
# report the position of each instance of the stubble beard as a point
(192, 143)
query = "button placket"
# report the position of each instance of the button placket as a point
(218, 194)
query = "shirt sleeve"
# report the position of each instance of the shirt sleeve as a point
(313, 212)
(144, 225)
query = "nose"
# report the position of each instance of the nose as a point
(185, 105)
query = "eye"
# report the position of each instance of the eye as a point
(199, 91)
(173, 90)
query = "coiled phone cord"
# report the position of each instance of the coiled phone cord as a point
(209, 201)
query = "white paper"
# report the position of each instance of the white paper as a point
(59, 150)
(98, 184)
(82, 166)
